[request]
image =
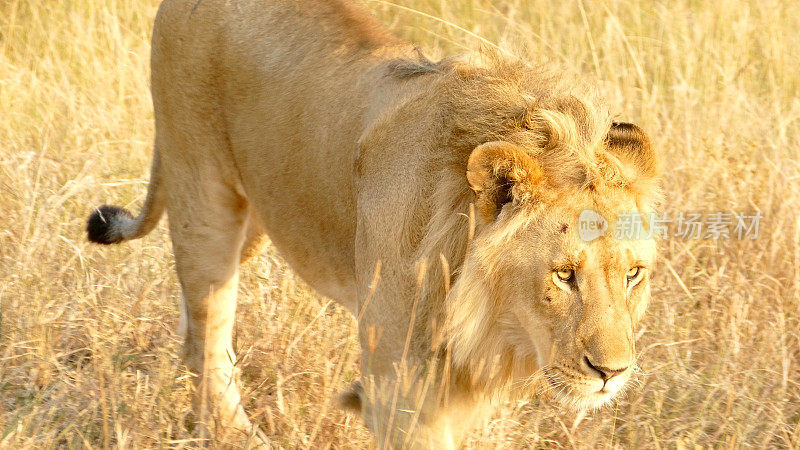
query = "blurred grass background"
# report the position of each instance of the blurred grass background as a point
(88, 351)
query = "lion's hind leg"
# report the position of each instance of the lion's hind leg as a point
(255, 238)
(208, 221)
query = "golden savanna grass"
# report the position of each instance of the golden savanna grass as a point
(88, 350)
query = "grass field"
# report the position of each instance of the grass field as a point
(88, 350)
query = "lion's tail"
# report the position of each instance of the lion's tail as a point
(112, 224)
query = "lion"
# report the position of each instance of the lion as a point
(438, 201)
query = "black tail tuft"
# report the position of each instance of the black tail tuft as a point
(103, 226)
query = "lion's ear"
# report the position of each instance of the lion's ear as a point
(631, 146)
(499, 173)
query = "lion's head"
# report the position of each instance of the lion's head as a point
(556, 274)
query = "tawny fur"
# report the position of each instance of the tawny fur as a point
(432, 199)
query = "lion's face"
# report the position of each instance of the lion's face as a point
(570, 303)
(560, 303)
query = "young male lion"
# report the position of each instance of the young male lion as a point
(439, 202)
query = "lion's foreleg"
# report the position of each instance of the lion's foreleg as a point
(403, 396)
(402, 413)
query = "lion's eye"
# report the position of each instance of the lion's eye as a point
(565, 275)
(564, 278)
(633, 274)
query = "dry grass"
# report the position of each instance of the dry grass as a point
(88, 353)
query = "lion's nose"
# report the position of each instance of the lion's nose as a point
(605, 372)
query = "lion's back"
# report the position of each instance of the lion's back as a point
(282, 91)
